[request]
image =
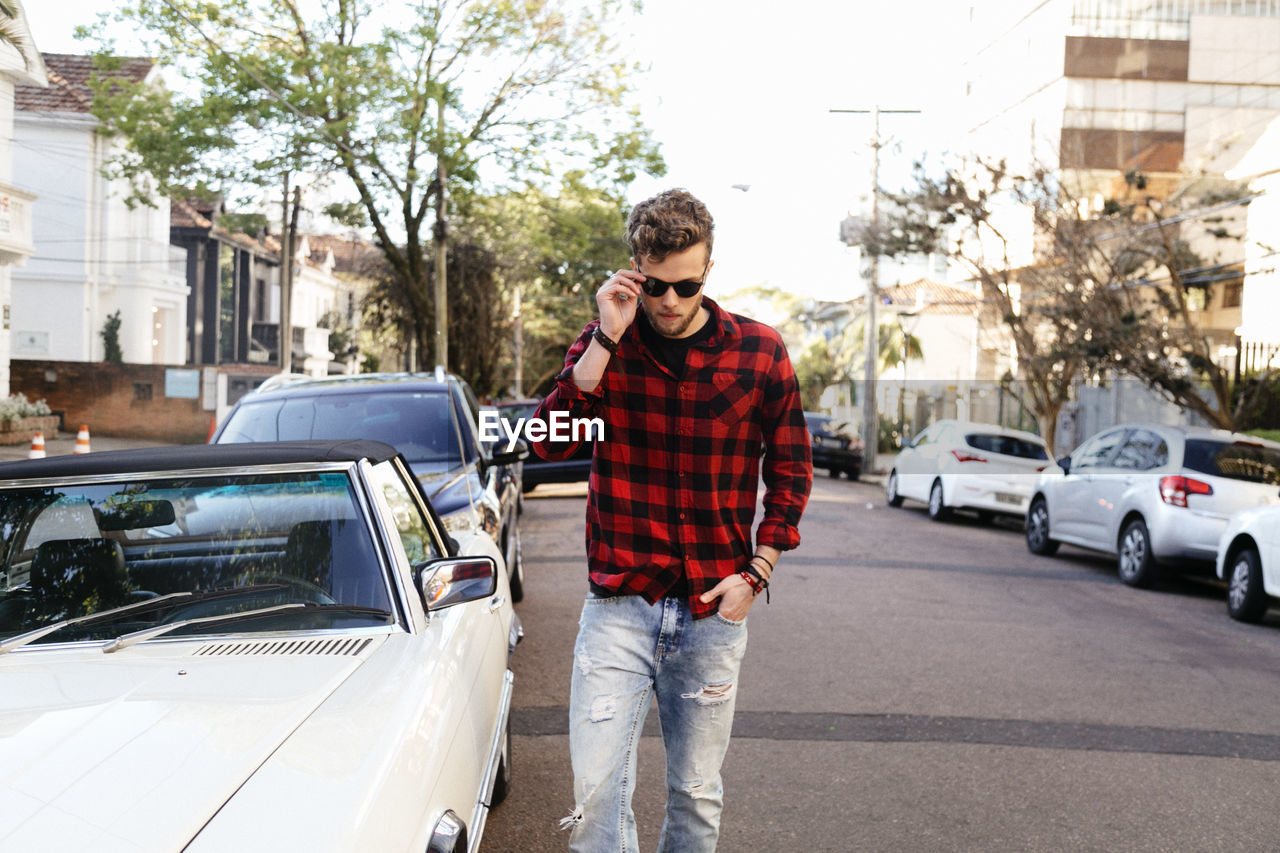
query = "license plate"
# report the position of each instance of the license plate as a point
(1006, 498)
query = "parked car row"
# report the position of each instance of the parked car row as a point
(1156, 497)
(247, 647)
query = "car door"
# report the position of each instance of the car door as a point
(1070, 512)
(916, 463)
(1142, 452)
(469, 637)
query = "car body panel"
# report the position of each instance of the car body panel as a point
(835, 445)
(1090, 505)
(331, 740)
(138, 753)
(973, 477)
(1261, 526)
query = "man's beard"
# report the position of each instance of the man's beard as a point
(676, 328)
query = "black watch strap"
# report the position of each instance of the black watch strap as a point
(605, 341)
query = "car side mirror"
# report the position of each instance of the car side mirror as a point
(1065, 464)
(444, 583)
(518, 453)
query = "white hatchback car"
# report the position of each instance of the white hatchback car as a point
(255, 647)
(1152, 494)
(1249, 560)
(961, 465)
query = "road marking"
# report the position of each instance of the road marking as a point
(912, 728)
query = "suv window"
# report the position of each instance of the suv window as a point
(417, 423)
(1006, 445)
(1097, 451)
(1142, 451)
(1255, 463)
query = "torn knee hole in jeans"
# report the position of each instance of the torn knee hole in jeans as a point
(603, 708)
(711, 694)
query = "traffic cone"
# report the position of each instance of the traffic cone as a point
(37, 446)
(82, 440)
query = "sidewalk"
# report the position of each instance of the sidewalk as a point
(66, 444)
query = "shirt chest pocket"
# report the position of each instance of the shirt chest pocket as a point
(733, 396)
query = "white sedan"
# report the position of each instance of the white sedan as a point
(973, 466)
(246, 647)
(1249, 560)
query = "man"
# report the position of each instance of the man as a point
(689, 394)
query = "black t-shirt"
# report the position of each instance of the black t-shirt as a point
(672, 353)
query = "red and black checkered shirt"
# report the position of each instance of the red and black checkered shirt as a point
(674, 483)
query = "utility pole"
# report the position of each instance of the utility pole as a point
(517, 387)
(285, 334)
(870, 420)
(442, 250)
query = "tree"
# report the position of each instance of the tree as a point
(1153, 327)
(11, 33)
(488, 89)
(555, 249)
(112, 352)
(1075, 275)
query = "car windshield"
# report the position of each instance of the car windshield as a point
(196, 547)
(418, 424)
(1238, 460)
(1006, 445)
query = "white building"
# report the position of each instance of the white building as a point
(95, 255)
(16, 244)
(1259, 332)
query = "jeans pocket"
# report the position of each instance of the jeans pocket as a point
(730, 622)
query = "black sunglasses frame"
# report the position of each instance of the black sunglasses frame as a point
(656, 287)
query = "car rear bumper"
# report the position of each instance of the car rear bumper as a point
(1179, 534)
(999, 493)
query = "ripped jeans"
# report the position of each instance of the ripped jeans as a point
(627, 653)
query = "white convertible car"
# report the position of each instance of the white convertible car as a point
(246, 648)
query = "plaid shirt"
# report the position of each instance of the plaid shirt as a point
(674, 483)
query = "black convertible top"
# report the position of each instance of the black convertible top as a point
(189, 457)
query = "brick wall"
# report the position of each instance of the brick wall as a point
(126, 400)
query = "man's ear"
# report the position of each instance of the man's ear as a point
(634, 267)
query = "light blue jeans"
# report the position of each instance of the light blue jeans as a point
(627, 653)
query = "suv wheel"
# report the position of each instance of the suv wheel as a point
(1246, 599)
(891, 490)
(516, 565)
(1038, 541)
(938, 510)
(1135, 563)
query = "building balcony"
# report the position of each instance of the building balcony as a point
(16, 244)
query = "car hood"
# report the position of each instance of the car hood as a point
(137, 750)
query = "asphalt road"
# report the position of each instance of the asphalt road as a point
(935, 687)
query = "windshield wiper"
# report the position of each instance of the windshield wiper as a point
(105, 615)
(137, 607)
(150, 633)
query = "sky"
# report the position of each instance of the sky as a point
(739, 93)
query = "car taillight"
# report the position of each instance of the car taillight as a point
(961, 456)
(1174, 490)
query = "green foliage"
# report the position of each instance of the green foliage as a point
(16, 407)
(494, 91)
(111, 339)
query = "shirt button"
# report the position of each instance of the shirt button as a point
(682, 516)
(681, 473)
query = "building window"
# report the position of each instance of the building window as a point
(142, 390)
(1231, 294)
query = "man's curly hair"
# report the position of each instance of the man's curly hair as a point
(671, 221)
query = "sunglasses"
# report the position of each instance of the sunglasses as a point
(656, 287)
